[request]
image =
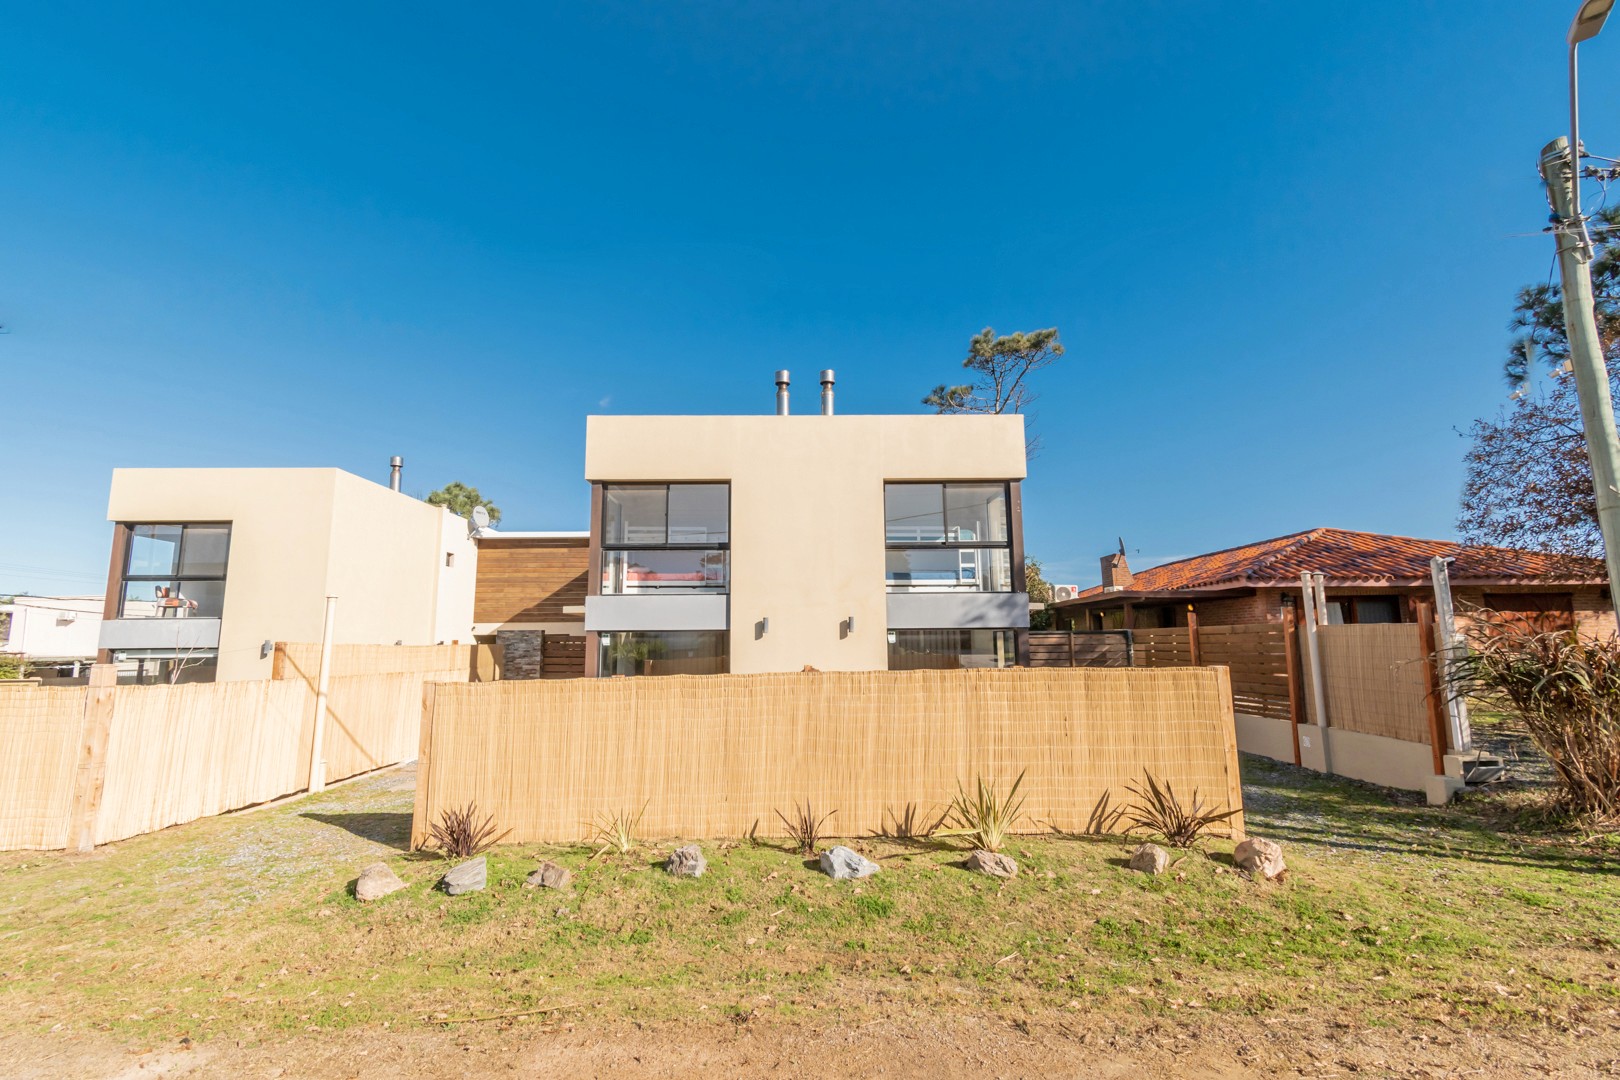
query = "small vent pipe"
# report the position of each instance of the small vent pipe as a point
(781, 393)
(395, 465)
(827, 392)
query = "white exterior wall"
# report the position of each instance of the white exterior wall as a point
(53, 627)
(807, 535)
(458, 580)
(298, 536)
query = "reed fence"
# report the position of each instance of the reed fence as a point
(1374, 680)
(716, 755)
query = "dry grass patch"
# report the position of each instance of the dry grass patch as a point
(245, 926)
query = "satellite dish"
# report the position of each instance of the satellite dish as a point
(480, 517)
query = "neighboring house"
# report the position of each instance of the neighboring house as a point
(530, 600)
(1369, 578)
(56, 632)
(776, 543)
(209, 567)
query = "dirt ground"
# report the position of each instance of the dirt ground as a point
(899, 1046)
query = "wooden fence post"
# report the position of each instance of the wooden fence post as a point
(1431, 684)
(278, 665)
(1194, 654)
(1229, 748)
(1071, 648)
(90, 779)
(419, 821)
(1291, 671)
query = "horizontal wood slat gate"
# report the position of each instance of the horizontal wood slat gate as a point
(563, 657)
(1256, 654)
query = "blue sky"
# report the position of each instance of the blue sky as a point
(1281, 242)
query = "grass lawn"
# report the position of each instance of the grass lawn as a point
(1393, 916)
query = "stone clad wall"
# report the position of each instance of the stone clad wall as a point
(524, 651)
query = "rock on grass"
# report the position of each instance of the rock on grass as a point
(989, 862)
(1150, 859)
(468, 877)
(842, 864)
(375, 882)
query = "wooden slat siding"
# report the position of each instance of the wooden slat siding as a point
(712, 755)
(1256, 656)
(1167, 647)
(531, 580)
(563, 657)
(1057, 648)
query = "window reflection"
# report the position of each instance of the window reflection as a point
(175, 571)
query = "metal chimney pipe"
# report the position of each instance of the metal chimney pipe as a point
(781, 393)
(827, 392)
(395, 465)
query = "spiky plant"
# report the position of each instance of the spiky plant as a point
(910, 823)
(615, 830)
(986, 817)
(1565, 690)
(458, 834)
(804, 827)
(1158, 811)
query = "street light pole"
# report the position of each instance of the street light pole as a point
(1561, 169)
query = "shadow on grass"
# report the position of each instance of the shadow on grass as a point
(1287, 803)
(394, 830)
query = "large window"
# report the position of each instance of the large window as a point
(175, 572)
(665, 538)
(945, 537)
(158, 667)
(911, 650)
(664, 652)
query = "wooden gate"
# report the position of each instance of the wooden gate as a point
(563, 657)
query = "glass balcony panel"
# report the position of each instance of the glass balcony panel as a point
(656, 570)
(948, 569)
(178, 599)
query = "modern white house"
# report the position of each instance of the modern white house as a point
(210, 567)
(775, 543)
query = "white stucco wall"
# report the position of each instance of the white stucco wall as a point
(807, 546)
(458, 580)
(297, 536)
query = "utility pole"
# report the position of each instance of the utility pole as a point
(1560, 168)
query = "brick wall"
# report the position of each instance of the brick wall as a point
(1264, 606)
(1594, 615)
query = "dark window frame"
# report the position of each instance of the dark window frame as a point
(945, 543)
(125, 577)
(606, 547)
(1008, 635)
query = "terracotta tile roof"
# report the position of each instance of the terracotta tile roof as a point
(1350, 559)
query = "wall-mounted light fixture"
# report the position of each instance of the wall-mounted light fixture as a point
(761, 628)
(266, 649)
